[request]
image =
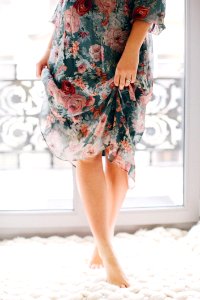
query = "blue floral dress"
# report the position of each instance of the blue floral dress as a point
(83, 112)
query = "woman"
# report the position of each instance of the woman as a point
(97, 73)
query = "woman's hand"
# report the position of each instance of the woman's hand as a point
(126, 68)
(43, 62)
(128, 63)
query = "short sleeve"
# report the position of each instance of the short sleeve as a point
(56, 12)
(151, 11)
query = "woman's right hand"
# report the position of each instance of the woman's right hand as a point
(43, 62)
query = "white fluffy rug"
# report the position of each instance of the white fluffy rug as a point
(161, 263)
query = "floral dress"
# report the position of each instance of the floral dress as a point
(83, 112)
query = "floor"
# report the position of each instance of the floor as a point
(161, 264)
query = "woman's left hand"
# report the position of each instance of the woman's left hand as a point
(126, 68)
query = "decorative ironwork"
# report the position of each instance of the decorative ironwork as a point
(20, 105)
(163, 121)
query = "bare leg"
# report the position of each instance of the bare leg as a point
(117, 184)
(93, 190)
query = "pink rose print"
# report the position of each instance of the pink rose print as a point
(82, 68)
(51, 87)
(60, 97)
(83, 34)
(58, 116)
(106, 6)
(75, 103)
(82, 6)
(72, 20)
(96, 52)
(85, 129)
(67, 87)
(90, 150)
(141, 12)
(101, 125)
(126, 145)
(50, 119)
(90, 101)
(116, 39)
(144, 99)
(131, 88)
(60, 70)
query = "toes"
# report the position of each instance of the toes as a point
(125, 285)
(96, 266)
(92, 266)
(99, 266)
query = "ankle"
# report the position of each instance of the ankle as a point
(106, 250)
(105, 243)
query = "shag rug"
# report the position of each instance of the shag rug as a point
(161, 264)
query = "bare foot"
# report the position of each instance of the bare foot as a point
(115, 274)
(96, 261)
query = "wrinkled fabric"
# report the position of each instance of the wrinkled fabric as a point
(83, 112)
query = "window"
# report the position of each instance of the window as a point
(38, 191)
(159, 156)
(39, 180)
